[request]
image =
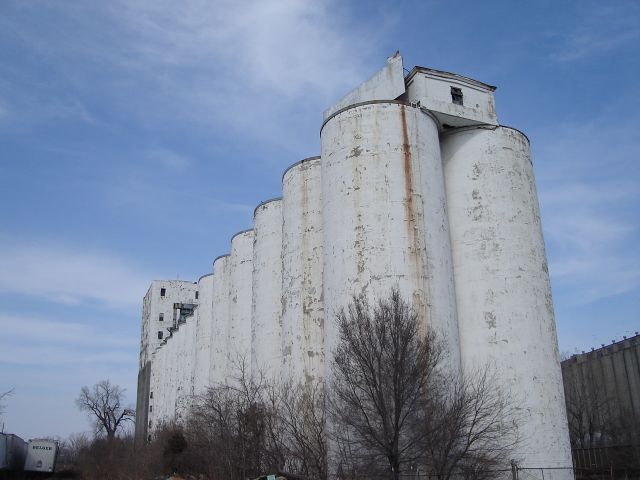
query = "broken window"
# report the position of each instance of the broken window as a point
(160, 333)
(456, 95)
(163, 291)
(161, 317)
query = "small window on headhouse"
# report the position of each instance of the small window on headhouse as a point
(456, 95)
(151, 408)
(160, 334)
(151, 395)
(163, 291)
(161, 317)
(196, 295)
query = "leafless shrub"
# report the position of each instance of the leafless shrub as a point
(228, 425)
(119, 459)
(395, 406)
(301, 416)
(472, 430)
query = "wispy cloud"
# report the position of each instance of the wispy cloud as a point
(29, 330)
(158, 61)
(167, 158)
(588, 203)
(69, 275)
(600, 28)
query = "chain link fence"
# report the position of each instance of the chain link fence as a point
(524, 473)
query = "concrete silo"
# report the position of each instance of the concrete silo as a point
(203, 334)
(384, 214)
(220, 329)
(302, 262)
(419, 188)
(502, 283)
(266, 325)
(240, 300)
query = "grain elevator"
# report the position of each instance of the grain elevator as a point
(417, 186)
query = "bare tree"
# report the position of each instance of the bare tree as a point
(587, 409)
(231, 419)
(471, 429)
(3, 397)
(255, 426)
(103, 404)
(396, 407)
(382, 374)
(301, 419)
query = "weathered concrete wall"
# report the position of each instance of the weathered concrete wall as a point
(432, 90)
(266, 314)
(384, 215)
(155, 305)
(203, 333)
(240, 299)
(505, 310)
(302, 263)
(386, 84)
(185, 365)
(142, 402)
(220, 329)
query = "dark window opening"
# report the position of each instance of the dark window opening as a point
(160, 333)
(151, 395)
(151, 408)
(161, 317)
(196, 295)
(456, 95)
(150, 424)
(163, 291)
(149, 438)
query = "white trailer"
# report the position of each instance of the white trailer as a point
(41, 455)
(12, 452)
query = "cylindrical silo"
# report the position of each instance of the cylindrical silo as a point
(504, 300)
(203, 333)
(266, 326)
(220, 328)
(240, 299)
(384, 216)
(302, 263)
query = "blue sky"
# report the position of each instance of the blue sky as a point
(136, 136)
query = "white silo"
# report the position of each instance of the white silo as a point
(220, 328)
(384, 215)
(302, 262)
(203, 333)
(504, 300)
(240, 299)
(266, 326)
